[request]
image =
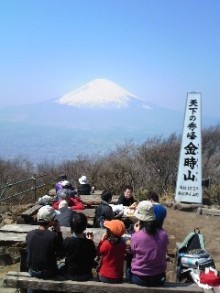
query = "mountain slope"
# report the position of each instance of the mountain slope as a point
(90, 120)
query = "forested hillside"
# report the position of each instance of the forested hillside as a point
(150, 165)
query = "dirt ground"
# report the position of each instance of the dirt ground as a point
(178, 224)
(3, 271)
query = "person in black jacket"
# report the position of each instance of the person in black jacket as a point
(104, 211)
(127, 198)
(80, 251)
(84, 187)
(65, 214)
(44, 246)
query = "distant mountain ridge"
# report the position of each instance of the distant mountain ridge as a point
(82, 122)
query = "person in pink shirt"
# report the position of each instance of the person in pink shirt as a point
(148, 248)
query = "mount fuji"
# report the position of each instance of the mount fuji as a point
(100, 104)
(99, 93)
(90, 120)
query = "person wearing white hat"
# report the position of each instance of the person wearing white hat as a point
(148, 248)
(44, 245)
(84, 188)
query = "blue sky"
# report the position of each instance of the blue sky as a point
(158, 49)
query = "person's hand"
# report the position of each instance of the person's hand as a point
(133, 206)
(104, 236)
(56, 226)
(89, 235)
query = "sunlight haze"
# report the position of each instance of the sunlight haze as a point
(157, 50)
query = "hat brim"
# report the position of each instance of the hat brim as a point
(144, 218)
(106, 224)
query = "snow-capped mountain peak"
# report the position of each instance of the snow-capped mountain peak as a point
(98, 93)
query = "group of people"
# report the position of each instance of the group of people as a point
(65, 191)
(83, 187)
(145, 255)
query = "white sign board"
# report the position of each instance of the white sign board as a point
(189, 179)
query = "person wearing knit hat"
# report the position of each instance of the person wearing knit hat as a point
(112, 250)
(148, 248)
(44, 245)
(159, 210)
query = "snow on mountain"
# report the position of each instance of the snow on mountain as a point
(99, 93)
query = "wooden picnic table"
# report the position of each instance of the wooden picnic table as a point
(94, 199)
(89, 201)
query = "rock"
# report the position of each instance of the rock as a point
(5, 260)
(7, 221)
(4, 209)
(19, 209)
(186, 206)
(52, 192)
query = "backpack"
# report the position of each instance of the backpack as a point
(192, 255)
(194, 240)
(98, 222)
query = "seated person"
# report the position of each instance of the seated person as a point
(68, 188)
(65, 214)
(127, 199)
(148, 248)
(112, 250)
(45, 200)
(74, 202)
(80, 251)
(84, 187)
(44, 245)
(58, 184)
(104, 211)
(159, 210)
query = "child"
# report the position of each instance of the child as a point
(43, 245)
(79, 251)
(112, 250)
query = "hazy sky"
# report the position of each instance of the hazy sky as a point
(158, 49)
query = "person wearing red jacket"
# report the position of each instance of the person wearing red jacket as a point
(74, 201)
(112, 250)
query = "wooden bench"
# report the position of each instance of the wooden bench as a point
(23, 280)
(17, 232)
(28, 214)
